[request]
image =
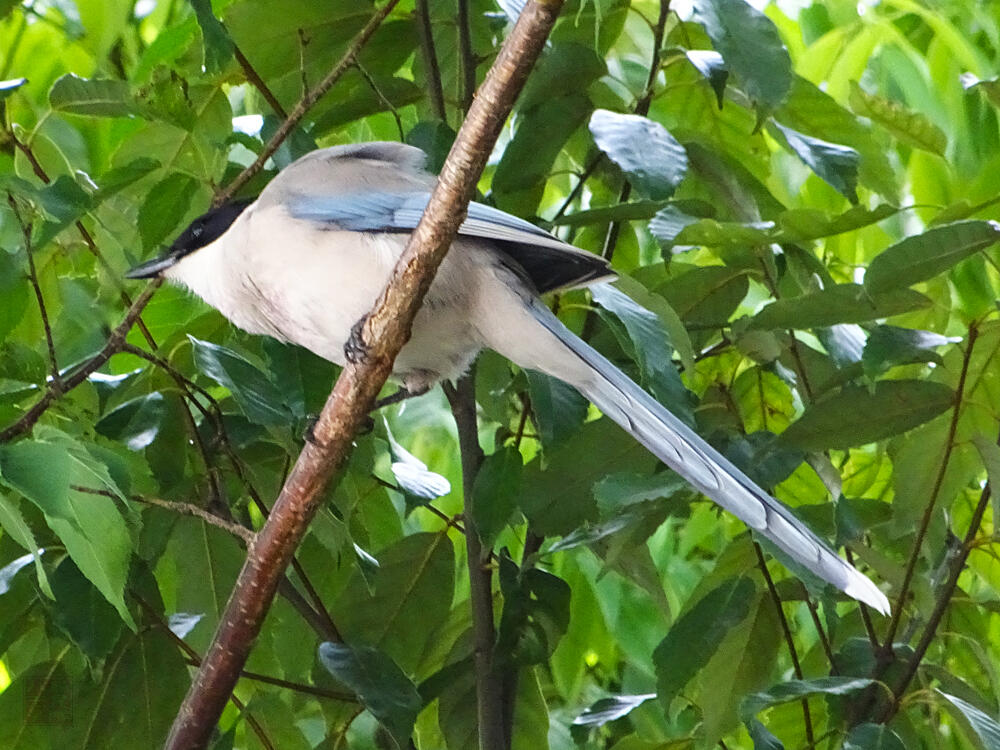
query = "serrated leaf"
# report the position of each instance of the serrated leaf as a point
(872, 737)
(218, 46)
(654, 161)
(907, 126)
(80, 611)
(694, 637)
(611, 708)
(119, 178)
(984, 726)
(9, 87)
(924, 256)
(166, 204)
(706, 296)
(749, 43)
(381, 686)
(495, 493)
(89, 525)
(843, 303)
(91, 96)
(668, 224)
(856, 415)
(255, 394)
(835, 164)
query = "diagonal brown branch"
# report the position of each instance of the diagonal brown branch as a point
(383, 334)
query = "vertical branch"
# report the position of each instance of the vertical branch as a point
(489, 682)
(789, 641)
(925, 521)
(429, 54)
(33, 278)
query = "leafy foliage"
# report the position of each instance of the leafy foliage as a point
(808, 276)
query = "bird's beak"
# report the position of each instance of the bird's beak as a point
(152, 267)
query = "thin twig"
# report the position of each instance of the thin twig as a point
(258, 83)
(940, 606)
(789, 641)
(296, 687)
(111, 347)
(383, 98)
(33, 278)
(429, 53)
(925, 521)
(306, 103)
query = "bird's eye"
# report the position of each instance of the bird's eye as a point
(196, 231)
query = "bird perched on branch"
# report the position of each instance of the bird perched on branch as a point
(306, 260)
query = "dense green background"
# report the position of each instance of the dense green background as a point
(808, 275)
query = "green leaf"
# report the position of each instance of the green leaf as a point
(65, 202)
(694, 637)
(888, 346)
(872, 737)
(91, 96)
(13, 292)
(218, 46)
(669, 318)
(608, 709)
(668, 224)
(707, 295)
(711, 65)
(82, 613)
(785, 692)
(924, 256)
(9, 87)
(119, 178)
(380, 685)
(856, 416)
(558, 408)
(907, 126)
(90, 525)
(13, 524)
(842, 303)
(654, 161)
(990, 87)
(411, 595)
(989, 451)
(559, 498)
(136, 422)
(653, 350)
(835, 164)
(749, 43)
(984, 727)
(535, 613)
(166, 204)
(635, 211)
(256, 395)
(495, 493)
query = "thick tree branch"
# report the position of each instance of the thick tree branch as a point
(382, 335)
